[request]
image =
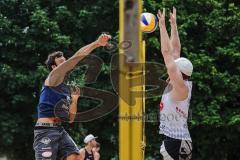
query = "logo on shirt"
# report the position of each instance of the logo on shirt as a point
(178, 110)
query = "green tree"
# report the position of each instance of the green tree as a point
(31, 29)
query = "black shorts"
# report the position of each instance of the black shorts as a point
(175, 149)
(53, 143)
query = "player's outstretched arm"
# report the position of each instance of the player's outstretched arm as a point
(57, 75)
(174, 39)
(173, 72)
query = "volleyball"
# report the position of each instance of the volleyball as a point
(148, 22)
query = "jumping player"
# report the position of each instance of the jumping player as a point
(51, 141)
(177, 143)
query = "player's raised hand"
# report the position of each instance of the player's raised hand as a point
(173, 16)
(75, 92)
(161, 17)
(103, 39)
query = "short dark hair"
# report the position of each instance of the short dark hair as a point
(51, 59)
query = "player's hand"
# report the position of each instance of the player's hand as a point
(161, 17)
(103, 40)
(173, 16)
(75, 92)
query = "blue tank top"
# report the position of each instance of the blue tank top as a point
(49, 97)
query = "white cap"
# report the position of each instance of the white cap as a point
(185, 66)
(88, 138)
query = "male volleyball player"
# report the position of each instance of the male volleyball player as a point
(51, 141)
(177, 143)
(87, 152)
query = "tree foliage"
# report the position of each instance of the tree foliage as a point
(210, 38)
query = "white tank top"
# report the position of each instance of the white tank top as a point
(174, 115)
